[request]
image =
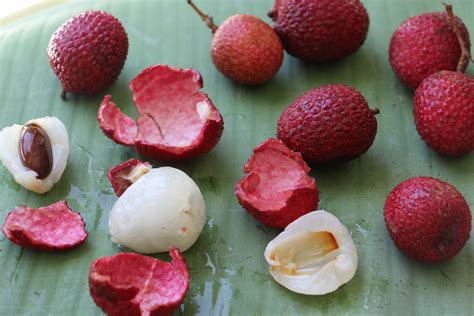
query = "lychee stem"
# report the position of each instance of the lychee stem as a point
(375, 111)
(465, 55)
(206, 18)
(63, 95)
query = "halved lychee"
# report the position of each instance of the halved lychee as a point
(133, 284)
(277, 188)
(51, 228)
(176, 120)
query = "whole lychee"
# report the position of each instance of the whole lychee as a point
(427, 219)
(244, 48)
(444, 112)
(87, 52)
(328, 124)
(425, 44)
(320, 30)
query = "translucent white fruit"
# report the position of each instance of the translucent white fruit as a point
(162, 208)
(10, 153)
(314, 255)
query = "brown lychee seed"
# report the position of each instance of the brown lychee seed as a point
(87, 52)
(244, 48)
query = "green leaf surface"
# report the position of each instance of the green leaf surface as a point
(229, 273)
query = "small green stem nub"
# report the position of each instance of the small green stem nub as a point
(465, 55)
(63, 95)
(375, 111)
(206, 18)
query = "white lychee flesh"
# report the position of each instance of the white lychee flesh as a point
(314, 255)
(162, 208)
(10, 153)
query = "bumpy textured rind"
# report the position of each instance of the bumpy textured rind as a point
(427, 219)
(88, 51)
(176, 121)
(247, 50)
(444, 112)
(52, 228)
(425, 44)
(122, 176)
(288, 201)
(133, 284)
(328, 124)
(320, 30)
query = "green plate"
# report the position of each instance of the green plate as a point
(229, 273)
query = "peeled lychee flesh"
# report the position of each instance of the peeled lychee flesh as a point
(320, 30)
(329, 124)
(444, 112)
(427, 219)
(51, 228)
(425, 44)
(246, 50)
(277, 189)
(176, 120)
(127, 173)
(133, 284)
(87, 52)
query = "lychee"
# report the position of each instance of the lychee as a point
(427, 219)
(87, 52)
(244, 48)
(328, 124)
(425, 44)
(320, 30)
(444, 106)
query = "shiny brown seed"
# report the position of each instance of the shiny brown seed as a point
(35, 150)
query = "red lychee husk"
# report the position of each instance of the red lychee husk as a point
(329, 124)
(124, 175)
(427, 219)
(425, 44)
(320, 30)
(52, 228)
(176, 121)
(444, 112)
(277, 188)
(134, 284)
(244, 48)
(87, 52)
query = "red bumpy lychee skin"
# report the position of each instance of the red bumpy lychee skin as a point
(277, 189)
(176, 120)
(240, 57)
(320, 30)
(87, 52)
(444, 112)
(133, 284)
(51, 228)
(329, 124)
(425, 44)
(244, 48)
(427, 219)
